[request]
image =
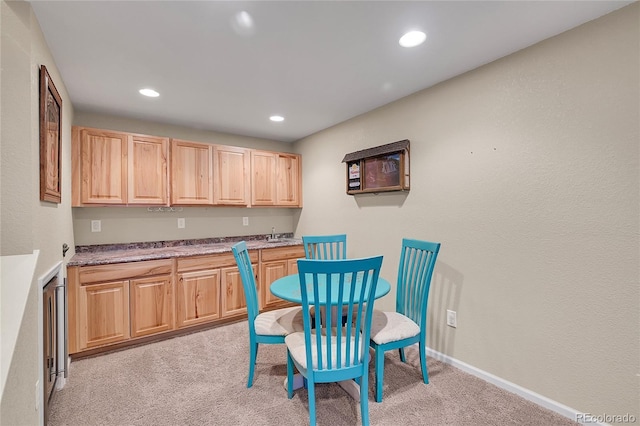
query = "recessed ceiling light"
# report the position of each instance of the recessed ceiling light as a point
(412, 39)
(276, 118)
(244, 19)
(149, 92)
(242, 23)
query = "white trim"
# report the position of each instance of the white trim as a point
(16, 278)
(527, 394)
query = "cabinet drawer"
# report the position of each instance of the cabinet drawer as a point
(282, 253)
(214, 261)
(121, 271)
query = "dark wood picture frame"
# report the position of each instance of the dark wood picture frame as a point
(383, 168)
(50, 139)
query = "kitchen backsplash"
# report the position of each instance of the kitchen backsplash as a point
(120, 225)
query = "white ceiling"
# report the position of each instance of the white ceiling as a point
(317, 63)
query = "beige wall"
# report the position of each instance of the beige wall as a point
(132, 224)
(26, 223)
(137, 224)
(526, 170)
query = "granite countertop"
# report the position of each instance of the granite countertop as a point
(133, 252)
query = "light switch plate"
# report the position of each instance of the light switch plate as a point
(181, 222)
(96, 226)
(452, 320)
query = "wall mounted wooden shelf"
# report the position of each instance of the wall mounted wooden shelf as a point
(380, 169)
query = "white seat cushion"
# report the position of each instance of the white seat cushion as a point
(279, 322)
(391, 326)
(296, 345)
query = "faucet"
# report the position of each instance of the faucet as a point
(273, 233)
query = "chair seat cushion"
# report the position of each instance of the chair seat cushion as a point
(296, 344)
(391, 326)
(279, 322)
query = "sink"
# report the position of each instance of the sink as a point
(280, 240)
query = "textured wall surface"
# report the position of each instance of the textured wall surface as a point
(27, 224)
(526, 170)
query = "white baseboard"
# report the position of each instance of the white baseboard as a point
(536, 398)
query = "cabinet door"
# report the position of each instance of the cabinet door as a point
(103, 166)
(231, 176)
(292, 266)
(270, 272)
(233, 297)
(103, 313)
(151, 305)
(263, 178)
(288, 181)
(198, 297)
(276, 263)
(147, 170)
(191, 173)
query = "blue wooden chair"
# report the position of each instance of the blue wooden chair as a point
(325, 247)
(408, 324)
(269, 327)
(328, 353)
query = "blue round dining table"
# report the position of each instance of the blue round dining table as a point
(288, 288)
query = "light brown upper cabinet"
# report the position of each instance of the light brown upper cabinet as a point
(147, 170)
(204, 174)
(275, 179)
(99, 166)
(119, 168)
(110, 167)
(191, 173)
(288, 188)
(263, 178)
(232, 184)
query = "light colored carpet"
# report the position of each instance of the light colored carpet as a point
(200, 379)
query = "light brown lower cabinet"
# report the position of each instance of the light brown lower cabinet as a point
(103, 314)
(121, 303)
(151, 305)
(232, 292)
(113, 303)
(276, 263)
(198, 298)
(209, 288)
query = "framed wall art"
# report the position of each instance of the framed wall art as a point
(383, 168)
(50, 138)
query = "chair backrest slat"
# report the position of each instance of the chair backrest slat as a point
(350, 287)
(325, 247)
(417, 261)
(243, 260)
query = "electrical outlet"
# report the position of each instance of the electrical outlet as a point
(245, 221)
(452, 320)
(96, 226)
(181, 222)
